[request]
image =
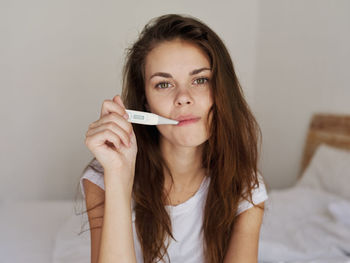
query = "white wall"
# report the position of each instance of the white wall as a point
(61, 59)
(303, 62)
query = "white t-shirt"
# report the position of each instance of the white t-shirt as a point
(186, 219)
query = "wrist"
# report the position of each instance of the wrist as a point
(119, 181)
(118, 194)
(120, 169)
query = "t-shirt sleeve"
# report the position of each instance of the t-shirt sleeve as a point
(258, 194)
(94, 173)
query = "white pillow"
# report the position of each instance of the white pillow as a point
(340, 211)
(328, 170)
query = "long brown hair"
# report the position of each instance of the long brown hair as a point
(230, 155)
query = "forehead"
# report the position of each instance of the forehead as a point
(175, 55)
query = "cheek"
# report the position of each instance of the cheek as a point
(160, 106)
(208, 116)
(208, 105)
(164, 131)
(159, 109)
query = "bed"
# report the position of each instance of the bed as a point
(309, 222)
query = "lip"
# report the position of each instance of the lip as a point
(187, 119)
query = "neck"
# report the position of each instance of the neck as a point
(185, 164)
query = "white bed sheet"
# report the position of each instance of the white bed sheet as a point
(71, 245)
(28, 229)
(301, 225)
(298, 227)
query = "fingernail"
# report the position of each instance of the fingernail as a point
(126, 116)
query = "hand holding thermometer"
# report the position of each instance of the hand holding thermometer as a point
(147, 118)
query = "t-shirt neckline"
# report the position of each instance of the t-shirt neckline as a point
(192, 200)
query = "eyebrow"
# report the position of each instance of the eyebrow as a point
(167, 75)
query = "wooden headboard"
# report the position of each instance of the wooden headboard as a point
(331, 129)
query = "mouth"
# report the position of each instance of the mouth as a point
(187, 120)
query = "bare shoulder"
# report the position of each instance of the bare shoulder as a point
(94, 198)
(92, 188)
(250, 220)
(244, 242)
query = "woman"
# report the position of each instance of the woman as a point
(175, 193)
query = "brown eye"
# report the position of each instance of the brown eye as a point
(162, 85)
(201, 81)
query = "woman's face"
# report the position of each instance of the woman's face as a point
(177, 86)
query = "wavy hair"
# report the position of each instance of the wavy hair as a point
(230, 154)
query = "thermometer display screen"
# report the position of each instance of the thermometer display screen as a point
(139, 117)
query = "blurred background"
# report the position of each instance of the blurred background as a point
(60, 59)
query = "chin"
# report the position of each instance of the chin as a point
(190, 142)
(185, 138)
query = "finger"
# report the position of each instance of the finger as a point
(119, 100)
(125, 138)
(132, 137)
(101, 138)
(121, 121)
(109, 106)
(113, 117)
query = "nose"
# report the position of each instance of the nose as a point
(183, 98)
